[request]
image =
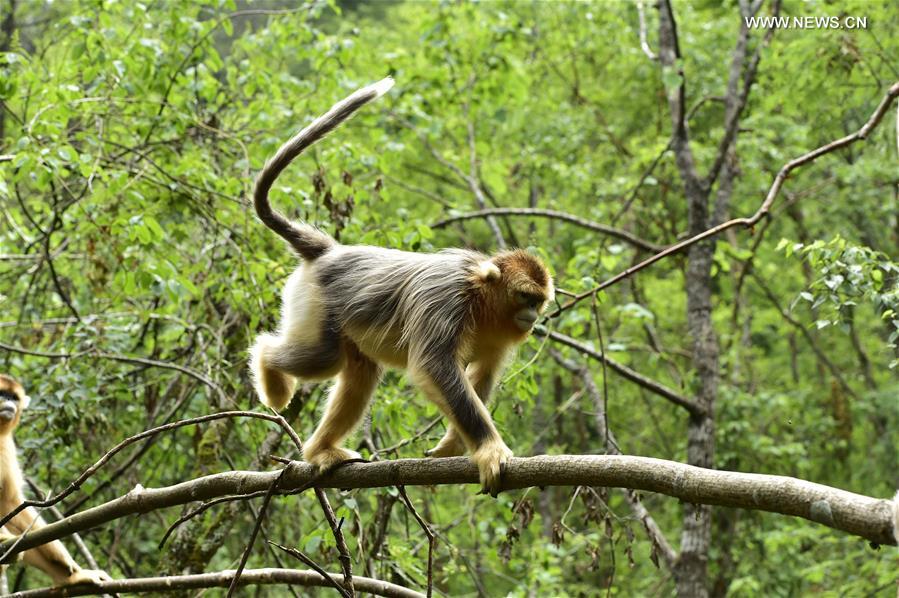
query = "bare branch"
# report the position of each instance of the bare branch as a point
(343, 551)
(470, 181)
(430, 535)
(867, 517)
(300, 556)
(763, 210)
(644, 44)
(235, 581)
(659, 542)
(222, 579)
(735, 99)
(625, 372)
(146, 434)
(124, 359)
(670, 57)
(554, 214)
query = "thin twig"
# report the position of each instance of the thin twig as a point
(556, 215)
(124, 359)
(205, 507)
(411, 439)
(297, 554)
(346, 562)
(427, 530)
(246, 553)
(660, 389)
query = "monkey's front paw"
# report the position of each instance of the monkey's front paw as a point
(491, 458)
(328, 457)
(93, 576)
(447, 448)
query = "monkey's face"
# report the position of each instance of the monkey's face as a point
(10, 405)
(528, 306)
(12, 401)
(528, 286)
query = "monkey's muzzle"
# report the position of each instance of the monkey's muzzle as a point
(7, 410)
(525, 319)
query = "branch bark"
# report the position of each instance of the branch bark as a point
(864, 516)
(221, 579)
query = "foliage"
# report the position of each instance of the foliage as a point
(134, 132)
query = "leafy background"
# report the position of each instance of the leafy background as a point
(135, 130)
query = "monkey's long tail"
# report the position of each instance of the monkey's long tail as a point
(307, 240)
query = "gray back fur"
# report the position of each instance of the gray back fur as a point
(423, 298)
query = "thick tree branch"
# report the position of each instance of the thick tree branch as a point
(870, 518)
(222, 579)
(90, 471)
(556, 215)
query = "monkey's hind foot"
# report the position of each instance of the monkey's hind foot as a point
(491, 458)
(328, 457)
(91, 576)
(447, 448)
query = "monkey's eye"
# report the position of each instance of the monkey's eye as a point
(9, 396)
(528, 299)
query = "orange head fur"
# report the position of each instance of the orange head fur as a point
(512, 283)
(12, 401)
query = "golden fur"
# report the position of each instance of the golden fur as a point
(52, 558)
(451, 318)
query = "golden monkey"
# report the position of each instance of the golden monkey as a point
(52, 558)
(450, 318)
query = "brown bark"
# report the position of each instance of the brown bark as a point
(222, 579)
(864, 516)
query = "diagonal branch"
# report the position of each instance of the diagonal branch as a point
(670, 57)
(735, 99)
(625, 372)
(660, 544)
(167, 365)
(90, 471)
(556, 215)
(763, 209)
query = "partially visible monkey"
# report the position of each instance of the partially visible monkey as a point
(52, 558)
(451, 318)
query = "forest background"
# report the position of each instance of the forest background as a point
(134, 274)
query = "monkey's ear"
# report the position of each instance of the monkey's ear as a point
(488, 271)
(24, 402)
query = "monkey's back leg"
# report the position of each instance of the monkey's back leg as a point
(344, 410)
(308, 344)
